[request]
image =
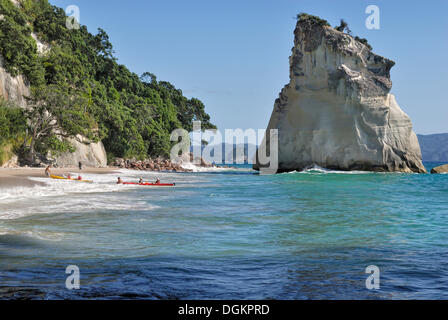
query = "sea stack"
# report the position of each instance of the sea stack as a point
(337, 112)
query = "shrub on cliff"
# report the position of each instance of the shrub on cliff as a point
(343, 26)
(315, 19)
(364, 41)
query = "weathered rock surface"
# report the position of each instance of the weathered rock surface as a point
(337, 112)
(12, 163)
(13, 89)
(88, 153)
(440, 169)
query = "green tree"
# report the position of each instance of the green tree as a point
(18, 49)
(54, 115)
(342, 26)
(12, 129)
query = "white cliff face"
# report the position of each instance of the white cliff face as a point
(42, 48)
(337, 111)
(89, 154)
(13, 89)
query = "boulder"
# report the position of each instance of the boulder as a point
(89, 153)
(11, 163)
(440, 169)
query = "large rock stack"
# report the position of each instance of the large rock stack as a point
(336, 111)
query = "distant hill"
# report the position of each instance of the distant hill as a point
(249, 152)
(229, 150)
(434, 147)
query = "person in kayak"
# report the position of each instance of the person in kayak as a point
(158, 181)
(79, 177)
(119, 181)
(140, 181)
(48, 171)
(69, 176)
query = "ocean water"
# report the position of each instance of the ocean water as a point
(228, 234)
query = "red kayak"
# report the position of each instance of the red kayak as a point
(151, 184)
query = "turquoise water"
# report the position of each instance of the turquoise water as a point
(228, 234)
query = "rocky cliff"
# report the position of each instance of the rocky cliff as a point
(336, 111)
(15, 89)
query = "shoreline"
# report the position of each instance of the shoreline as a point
(18, 177)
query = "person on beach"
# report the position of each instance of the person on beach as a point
(119, 181)
(48, 171)
(80, 165)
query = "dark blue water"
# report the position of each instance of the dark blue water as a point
(230, 235)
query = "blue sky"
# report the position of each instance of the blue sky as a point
(233, 55)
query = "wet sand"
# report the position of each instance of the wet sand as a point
(13, 177)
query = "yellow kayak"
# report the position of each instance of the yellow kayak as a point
(52, 176)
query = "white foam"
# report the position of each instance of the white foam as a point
(72, 204)
(195, 168)
(61, 196)
(315, 169)
(101, 183)
(52, 188)
(41, 235)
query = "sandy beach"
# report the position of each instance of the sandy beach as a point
(12, 177)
